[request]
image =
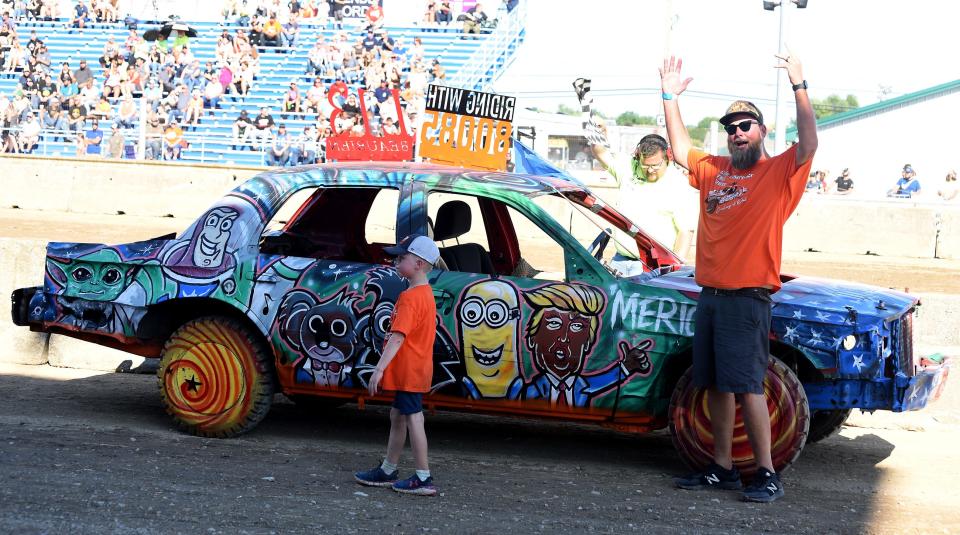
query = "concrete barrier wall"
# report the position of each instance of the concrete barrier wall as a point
(821, 222)
(108, 186)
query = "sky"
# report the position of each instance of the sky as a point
(846, 46)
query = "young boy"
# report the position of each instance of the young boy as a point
(406, 367)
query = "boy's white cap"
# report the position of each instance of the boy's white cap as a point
(417, 244)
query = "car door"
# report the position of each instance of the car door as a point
(527, 333)
(324, 289)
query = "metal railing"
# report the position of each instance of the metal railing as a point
(499, 48)
(201, 148)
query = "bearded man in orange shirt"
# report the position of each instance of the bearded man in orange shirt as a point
(745, 199)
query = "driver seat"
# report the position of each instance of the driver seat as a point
(453, 221)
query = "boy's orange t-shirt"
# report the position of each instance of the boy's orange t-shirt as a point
(414, 316)
(742, 213)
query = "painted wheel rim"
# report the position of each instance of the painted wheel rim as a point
(789, 418)
(207, 381)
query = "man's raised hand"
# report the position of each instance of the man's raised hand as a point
(670, 79)
(792, 64)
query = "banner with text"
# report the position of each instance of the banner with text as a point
(355, 9)
(467, 128)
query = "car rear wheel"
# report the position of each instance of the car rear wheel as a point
(789, 421)
(216, 377)
(824, 423)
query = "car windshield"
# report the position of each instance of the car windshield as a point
(607, 234)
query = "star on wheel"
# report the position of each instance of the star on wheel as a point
(192, 384)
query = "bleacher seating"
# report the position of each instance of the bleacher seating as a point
(210, 142)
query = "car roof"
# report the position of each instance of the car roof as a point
(391, 174)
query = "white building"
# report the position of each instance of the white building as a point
(875, 141)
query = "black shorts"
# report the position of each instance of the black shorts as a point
(408, 402)
(731, 340)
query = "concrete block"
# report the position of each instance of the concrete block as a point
(938, 320)
(66, 352)
(948, 242)
(18, 345)
(21, 265)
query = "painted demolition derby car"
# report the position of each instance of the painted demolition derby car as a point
(283, 286)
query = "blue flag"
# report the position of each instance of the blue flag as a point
(526, 161)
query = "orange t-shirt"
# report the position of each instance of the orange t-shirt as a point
(414, 316)
(742, 213)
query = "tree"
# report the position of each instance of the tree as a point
(699, 133)
(833, 104)
(563, 109)
(705, 122)
(632, 118)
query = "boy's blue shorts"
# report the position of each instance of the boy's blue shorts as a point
(408, 402)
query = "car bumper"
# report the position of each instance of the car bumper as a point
(914, 393)
(20, 305)
(898, 394)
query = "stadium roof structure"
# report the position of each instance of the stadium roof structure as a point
(884, 106)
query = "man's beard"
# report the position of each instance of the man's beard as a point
(743, 159)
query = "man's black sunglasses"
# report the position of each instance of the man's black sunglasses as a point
(744, 127)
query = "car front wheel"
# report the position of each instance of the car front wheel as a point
(824, 423)
(691, 431)
(216, 377)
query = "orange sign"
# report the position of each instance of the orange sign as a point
(467, 128)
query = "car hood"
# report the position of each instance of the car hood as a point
(813, 298)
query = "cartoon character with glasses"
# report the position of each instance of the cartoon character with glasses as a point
(488, 326)
(561, 334)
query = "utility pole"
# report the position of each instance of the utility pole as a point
(780, 123)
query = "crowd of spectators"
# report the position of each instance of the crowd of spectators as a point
(908, 186)
(176, 89)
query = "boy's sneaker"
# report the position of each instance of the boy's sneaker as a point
(712, 477)
(377, 477)
(413, 485)
(766, 487)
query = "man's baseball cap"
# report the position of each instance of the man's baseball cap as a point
(907, 168)
(742, 106)
(417, 244)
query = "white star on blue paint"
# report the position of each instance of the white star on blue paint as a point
(815, 337)
(797, 314)
(858, 362)
(791, 333)
(813, 303)
(336, 274)
(822, 316)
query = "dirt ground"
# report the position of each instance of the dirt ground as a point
(82, 452)
(86, 452)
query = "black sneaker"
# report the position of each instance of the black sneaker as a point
(766, 487)
(712, 477)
